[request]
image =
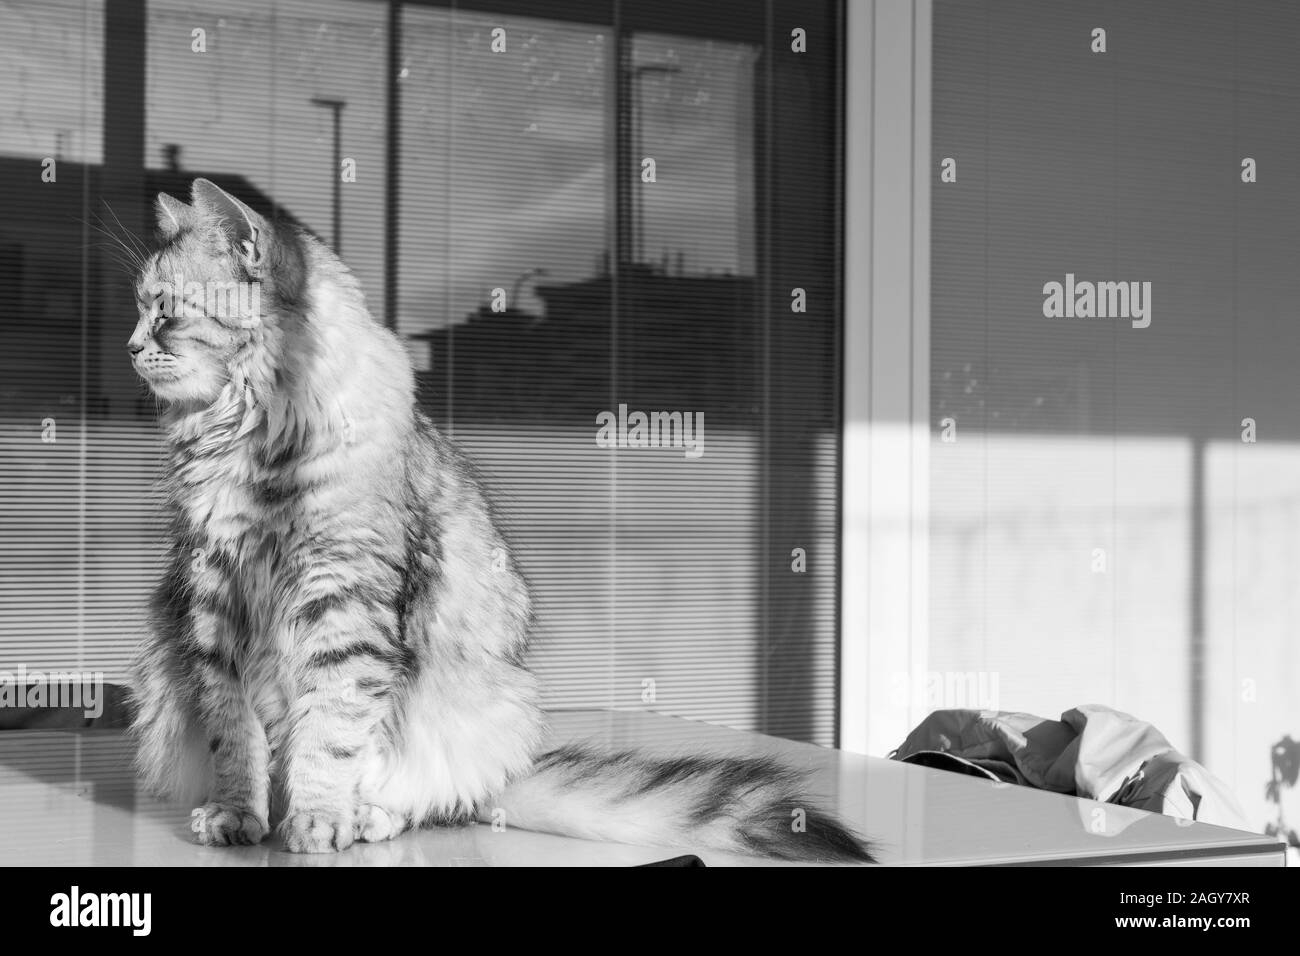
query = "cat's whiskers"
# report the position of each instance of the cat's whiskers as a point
(126, 256)
(142, 250)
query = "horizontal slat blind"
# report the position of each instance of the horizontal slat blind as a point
(82, 543)
(663, 580)
(1100, 530)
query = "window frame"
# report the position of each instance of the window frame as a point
(885, 442)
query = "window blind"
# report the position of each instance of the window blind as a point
(564, 209)
(1106, 527)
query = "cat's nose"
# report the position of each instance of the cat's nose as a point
(134, 347)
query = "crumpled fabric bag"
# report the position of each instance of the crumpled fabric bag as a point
(1092, 751)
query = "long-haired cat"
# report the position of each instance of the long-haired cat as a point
(338, 641)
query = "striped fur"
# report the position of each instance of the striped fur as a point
(337, 644)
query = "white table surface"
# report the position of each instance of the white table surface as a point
(69, 798)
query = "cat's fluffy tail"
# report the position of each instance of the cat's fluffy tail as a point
(736, 804)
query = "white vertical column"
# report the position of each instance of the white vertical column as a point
(884, 591)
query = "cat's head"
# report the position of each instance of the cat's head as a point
(223, 280)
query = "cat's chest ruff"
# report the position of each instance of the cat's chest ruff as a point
(256, 538)
(236, 503)
(226, 515)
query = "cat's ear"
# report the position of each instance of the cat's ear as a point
(246, 231)
(173, 215)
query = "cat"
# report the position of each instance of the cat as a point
(338, 641)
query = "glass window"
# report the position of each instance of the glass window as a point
(578, 209)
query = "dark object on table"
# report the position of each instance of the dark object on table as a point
(98, 706)
(688, 860)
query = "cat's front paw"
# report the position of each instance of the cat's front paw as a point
(220, 824)
(374, 824)
(317, 831)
